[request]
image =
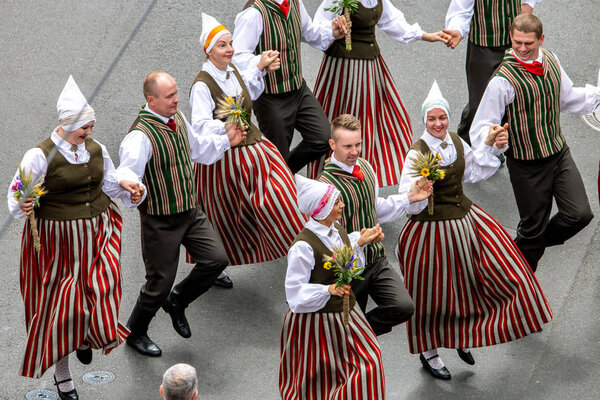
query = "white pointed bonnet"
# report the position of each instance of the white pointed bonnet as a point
(315, 198)
(72, 107)
(434, 100)
(212, 30)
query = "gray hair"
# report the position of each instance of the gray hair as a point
(180, 382)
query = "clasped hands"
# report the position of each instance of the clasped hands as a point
(136, 191)
(497, 135)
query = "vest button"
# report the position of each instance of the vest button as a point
(457, 204)
(89, 178)
(84, 165)
(87, 204)
(371, 44)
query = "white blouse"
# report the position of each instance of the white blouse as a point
(392, 20)
(480, 164)
(460, 13)
(302, 296)
(202, 102)
(34, 161)
(249, 28)
(500, 93)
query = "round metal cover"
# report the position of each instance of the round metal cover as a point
(41, 394)
(592, 120)
(98, 377)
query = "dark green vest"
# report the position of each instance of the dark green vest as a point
(74, 190)
(359, 199)
(217, 94)
(364, 44)
(449, 201)
(321, 275)
(490, 25)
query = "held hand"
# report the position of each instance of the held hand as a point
(136, 192)
(267, 58)
(339, 291)
(236, 134)
(455, 37)
(526, 9)
(339, 27)
(494, 130)
(440, 36)
(420, 190)
(370, 235)
(502, 138)
(27, 206)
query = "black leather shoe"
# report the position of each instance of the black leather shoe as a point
(466, 356)
(143, 344)
(70, 395)
(84, 356)
(439, 373)
(177, 313)
(224, 282)
(501, 158)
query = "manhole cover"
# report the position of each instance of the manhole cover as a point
(593, 119)
(98, 377)
(41, 394)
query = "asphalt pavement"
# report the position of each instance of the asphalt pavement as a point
(235, 333)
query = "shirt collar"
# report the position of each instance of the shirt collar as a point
(163, 119)
(62, 143)
(319, 228)
(345, 167)
(538, 59)
(216, 72)
(435, 143)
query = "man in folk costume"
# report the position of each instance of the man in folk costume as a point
(159, 151)
(357, 182)
(487, 23)
(287, 102)
(529, 90)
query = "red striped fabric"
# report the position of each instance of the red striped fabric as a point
(469, 282)
(366, 89)
(323, 359)
(249, 196)
(71, 288)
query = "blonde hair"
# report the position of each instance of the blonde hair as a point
(527, 23)
(344, 121)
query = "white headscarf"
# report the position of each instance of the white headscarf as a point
(72, 107)
(212, 30)
(434, 100)
(315, 198)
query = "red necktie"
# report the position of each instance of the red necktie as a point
(284, 7)
(535, 67)
(358, 173)
(171, 124)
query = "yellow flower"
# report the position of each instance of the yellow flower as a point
(230, 100)
(442, 174)
(425, 172)
(39, 192)
(353, 270)
(438, 156)
(327, 265)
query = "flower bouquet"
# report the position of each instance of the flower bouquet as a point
(349, 7)
(232, 108)
(24, 188)
(343, 263)
(428, 167)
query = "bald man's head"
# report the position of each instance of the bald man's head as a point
(160, 91)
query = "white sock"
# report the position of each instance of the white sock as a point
(223, 275)
(465, 350)
(435, 362)
(84, 346)
(62, 372)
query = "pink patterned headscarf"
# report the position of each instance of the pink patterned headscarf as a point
(315, 198)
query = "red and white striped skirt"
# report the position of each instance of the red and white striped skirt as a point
(71, 288)
(321, 359)
(366, 89)
(249, 196)
(469, 282)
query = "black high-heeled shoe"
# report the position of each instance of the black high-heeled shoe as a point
(70, 395)
(84, 356)
(466, 356)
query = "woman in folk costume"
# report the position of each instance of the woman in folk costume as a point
(469, 282)
(251, 195)
(321, 358)
(358, 82)
(71, 287)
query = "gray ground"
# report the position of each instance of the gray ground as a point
(235, 342)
